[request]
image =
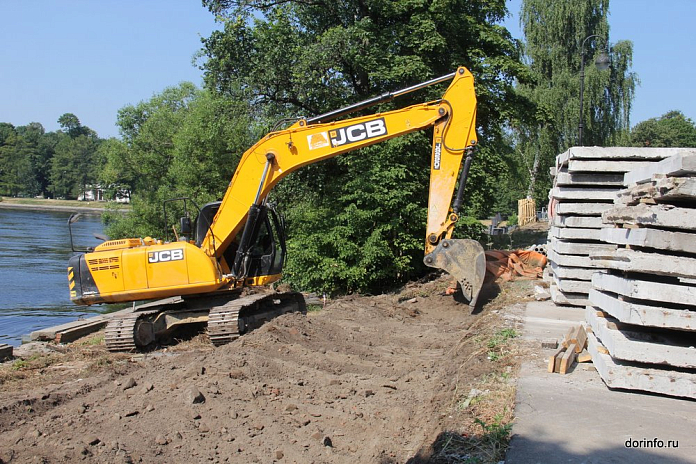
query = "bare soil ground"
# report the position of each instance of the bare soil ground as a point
(405, 377)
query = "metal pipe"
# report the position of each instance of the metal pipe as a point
(389, 96)
(269, 160)
(462, 181)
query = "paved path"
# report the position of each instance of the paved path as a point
(575, 418)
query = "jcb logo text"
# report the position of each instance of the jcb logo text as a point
(358, 132)
(165, 255)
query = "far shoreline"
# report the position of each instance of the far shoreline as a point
(44, 205)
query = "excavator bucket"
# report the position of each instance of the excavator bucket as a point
(464, 260)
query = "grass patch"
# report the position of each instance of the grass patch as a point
(497, 343)
(488, 446)
(93, 341)
(313, 308)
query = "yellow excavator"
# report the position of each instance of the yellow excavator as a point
(239, 242)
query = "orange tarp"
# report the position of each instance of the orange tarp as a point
(512, 265)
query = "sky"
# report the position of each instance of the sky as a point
(92, 58)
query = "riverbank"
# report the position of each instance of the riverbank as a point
(409, 376)
(45, 204)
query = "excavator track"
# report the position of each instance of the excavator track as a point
(226, 320)
(121, 333)
(229, 321)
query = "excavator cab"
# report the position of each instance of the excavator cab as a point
(266, 251)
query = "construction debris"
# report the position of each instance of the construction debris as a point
(586, 183)
(623, 244)
(643, 303)
(574, 343)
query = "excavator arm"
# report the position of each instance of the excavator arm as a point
(309, 141)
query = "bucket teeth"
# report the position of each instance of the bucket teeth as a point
(464, 260)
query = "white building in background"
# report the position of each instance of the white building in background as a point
(96, 193)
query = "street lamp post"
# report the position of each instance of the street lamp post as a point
(602, 62)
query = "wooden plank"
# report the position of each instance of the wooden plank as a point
(683, 163)
(84, 327)
(628, 260)
(579, 338)
(5, 351)
(642, 314)
(73, 333)
(650, 238)
(568, 359)
(584, 357)
(555, 359)
(666, 216)
(645, 289)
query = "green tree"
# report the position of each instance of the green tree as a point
(16, 176)
(181, 142)
(554, 34)
(75, 164)
(672, 129)
(357, 221)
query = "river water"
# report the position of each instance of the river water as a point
(34, 253)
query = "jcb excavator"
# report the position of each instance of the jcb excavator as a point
(240, 241)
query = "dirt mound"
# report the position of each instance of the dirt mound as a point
(366, 379)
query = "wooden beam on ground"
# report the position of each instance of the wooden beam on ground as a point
(555, 360)
(568, 359)
(5, 351)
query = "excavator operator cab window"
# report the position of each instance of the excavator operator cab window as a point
(268, 250)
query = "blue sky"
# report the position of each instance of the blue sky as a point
(92, 57)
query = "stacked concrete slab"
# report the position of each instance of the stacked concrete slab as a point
(586, 181)
(642, 307)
